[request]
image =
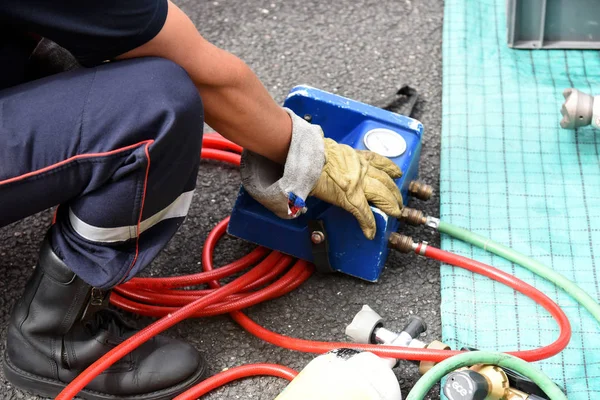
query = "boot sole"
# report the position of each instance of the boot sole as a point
(47, 387)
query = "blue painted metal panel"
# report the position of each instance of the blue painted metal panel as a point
(346, 121)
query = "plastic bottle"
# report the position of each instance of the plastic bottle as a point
(345, 374)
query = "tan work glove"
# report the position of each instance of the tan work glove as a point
(332, 172)
(352, 179)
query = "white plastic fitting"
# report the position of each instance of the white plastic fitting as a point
(579, 109)
(363, 325)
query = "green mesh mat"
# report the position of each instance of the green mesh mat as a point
(510, 173)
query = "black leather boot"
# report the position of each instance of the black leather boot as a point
(61, 325)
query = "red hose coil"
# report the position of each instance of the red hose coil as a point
(275, 274)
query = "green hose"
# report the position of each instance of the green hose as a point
(529, 263)
(424, 384)
(419, 391)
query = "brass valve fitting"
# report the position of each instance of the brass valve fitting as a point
(425, 366)
(413, 217)
(483, 382)
(402, 243)
(420, 190)
(497, 380)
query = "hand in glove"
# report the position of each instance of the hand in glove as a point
(351, 179)
(332, 172)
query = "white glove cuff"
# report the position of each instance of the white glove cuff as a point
(284, 189)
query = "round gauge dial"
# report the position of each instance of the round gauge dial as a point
(385, 142)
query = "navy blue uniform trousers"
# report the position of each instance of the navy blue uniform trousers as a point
(117, 147)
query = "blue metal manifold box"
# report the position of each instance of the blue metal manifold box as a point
(360, 126)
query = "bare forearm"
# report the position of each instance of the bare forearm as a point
(236, 103)
(245, 113)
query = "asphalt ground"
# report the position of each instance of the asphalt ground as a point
(364, 50)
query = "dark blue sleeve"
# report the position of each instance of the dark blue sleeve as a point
(93, 31)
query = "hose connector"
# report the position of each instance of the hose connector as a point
(577, 110)
(403, 244)
(481, 382)
(432, 222)
(425, 366)
(413, 217)
(420, 190)
(367, 328)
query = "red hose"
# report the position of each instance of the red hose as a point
(408, 353)
(275, 274)
(540, 298)
(226, 156)
(216, 141)
(216, 147)
(159, 326)
(233, 374)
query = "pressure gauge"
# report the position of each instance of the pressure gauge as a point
(385, 142)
